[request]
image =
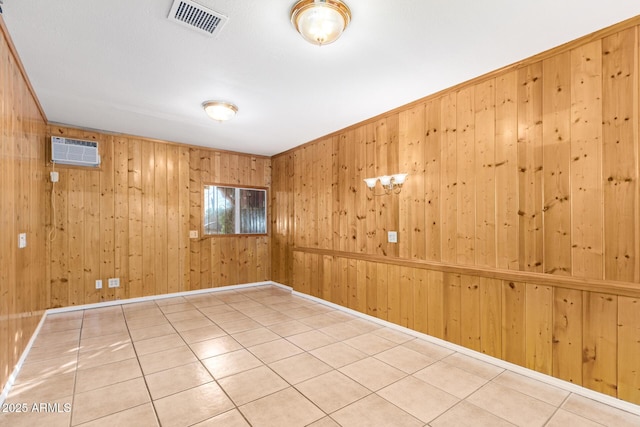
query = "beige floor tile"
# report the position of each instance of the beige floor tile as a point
(290, 327)
(215, 310)
(370, 344)
(104, 329)
(137, 306)
(325, 422)
(175, 308)
(253, 384)
(163, 302)
(46, 389)
(599, 412)
(56, 338)
(320, 321)
(60, 325)
(110, 311)
(301, 313)
(332, 391)
(255, 336)
(151, 332)
(205, 302)
(541, 391)
(231, 363)
(418, 398)
(181, 316)
(300, 367)
(464, 414)
(363, 325)
(150, 311)
(175, 380)
(511, 405)
(272, 351)
(107, 374)
(374, 411)
(232, 418)
(47, 368)
(284, 408)
(38, 354)
(430, 350)
(68, 315)
(405, 359)
(271, 319)
(564, 418)
(338, 354)
(139, 416)
(453, 380)
(207, 332)
(372, 373)
(167, 359)
(91, 359)
(146, 322)
(186, 325)
(215, 347)
(474, 366)
(98, 403)
(228, 316)
(311, 340)
(57, 415)
(341, 331)
(393, 335)
(192, 406)
(239, 325)
(111, 342)
(153, 345)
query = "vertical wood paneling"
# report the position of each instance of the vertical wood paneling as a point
(135, 219)
(448, 175)
(556, 148)
(452, 308)
(587, 224)
(491, 316)
(530, 167)
(513, 322)
(465, 165)
(567, 335)
(485, 181)
(620, 155)
(506, 155)
(599, 369)
(628, 349)
(539, 329)
(432, 160)
(470, 317)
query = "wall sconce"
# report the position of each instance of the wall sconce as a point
(390, 183)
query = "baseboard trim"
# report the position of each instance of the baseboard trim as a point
(547, 379)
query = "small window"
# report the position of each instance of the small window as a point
(234, 210)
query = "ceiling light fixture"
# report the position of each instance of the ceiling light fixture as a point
(220, 110)
(320, 21)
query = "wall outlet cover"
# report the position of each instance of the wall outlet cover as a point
(22, 240)
(392, 237)
(98, 284)
(193, 234)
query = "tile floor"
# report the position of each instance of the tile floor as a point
(264, 357)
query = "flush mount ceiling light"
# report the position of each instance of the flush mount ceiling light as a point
(320, 21)
(220, 110)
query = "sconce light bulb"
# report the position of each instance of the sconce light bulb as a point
(385, 180)
(399, 178)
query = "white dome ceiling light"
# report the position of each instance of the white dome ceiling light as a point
(320, 21)
(220, 110)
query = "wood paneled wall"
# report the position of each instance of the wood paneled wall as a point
(23, 295)
(530, 171)
(131, 219)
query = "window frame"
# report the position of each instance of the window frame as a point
(239, 187)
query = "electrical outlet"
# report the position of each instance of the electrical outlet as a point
(392, 237)
(193, 234)
(22, 240)
(114, 283)
(98, 284)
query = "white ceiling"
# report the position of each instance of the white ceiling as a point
(122, 66)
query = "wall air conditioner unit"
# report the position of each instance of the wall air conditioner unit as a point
(75, 152)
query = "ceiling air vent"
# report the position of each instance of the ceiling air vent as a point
(197, 17)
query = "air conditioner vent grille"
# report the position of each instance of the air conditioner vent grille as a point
(197, 17)
(74, 152)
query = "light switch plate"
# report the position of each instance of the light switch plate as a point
(114, 283)
(392, 237)
(193, 234)
(98, 284)
(22, 240)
